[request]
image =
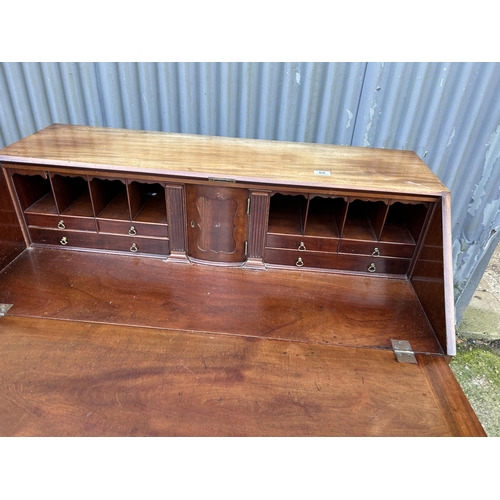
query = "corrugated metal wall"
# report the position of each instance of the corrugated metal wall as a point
(448, 113)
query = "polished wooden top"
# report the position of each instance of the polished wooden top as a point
(242, 160)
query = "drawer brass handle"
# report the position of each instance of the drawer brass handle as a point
(299, 262)
(132, 231)
(372, 268)
(376, 252)
(64, 240)
(61, 225)
(134, 248)
(302, 247)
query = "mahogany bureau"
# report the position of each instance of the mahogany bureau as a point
(178, 285)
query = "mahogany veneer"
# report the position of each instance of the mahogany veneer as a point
(60, 378)
(169, 284)
(306, 307)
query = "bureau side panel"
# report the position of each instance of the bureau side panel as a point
(11, 237)
(432, 276)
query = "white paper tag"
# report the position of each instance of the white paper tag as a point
(322, 172)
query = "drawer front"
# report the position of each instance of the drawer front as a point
(97, 241)
(344, 262)
(317, 244)
(61, 222)
(377, 248)
(132, 228)
(299, 259)
(372, 265)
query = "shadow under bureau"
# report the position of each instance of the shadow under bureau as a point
(170, 284)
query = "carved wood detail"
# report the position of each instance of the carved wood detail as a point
(176, 217)
(217, 223)
(259, 214)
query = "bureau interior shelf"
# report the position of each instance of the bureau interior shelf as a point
(322, 216)
(45, 205)
(404, 223)
(357, 219)
(35, 194)
(102, 198)
(110, 199)
(343, 233)
(360, 223)
(102, 213)
(287, 214)
(147, 202)
(72, 195)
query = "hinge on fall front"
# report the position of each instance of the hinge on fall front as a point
(403, 351)
(248, 206)
(220, 179)
(246, 248)
(4, 308)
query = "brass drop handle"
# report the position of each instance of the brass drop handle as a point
(64, 240)
(372, 268)
(134, 248)
(299, 262)
(61, 225)
(132, 231)
(302, 247)
(376, 252)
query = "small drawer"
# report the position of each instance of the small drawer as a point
(377, 248)
(132, 228)
(373, 265)
(61, 222)
(299, 258)
(302, 243)
(136, 244)
(64, 237)
(82, 239)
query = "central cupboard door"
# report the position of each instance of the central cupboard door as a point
(217, 223)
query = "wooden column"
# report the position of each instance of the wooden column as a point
(176, 222)
(259, 215)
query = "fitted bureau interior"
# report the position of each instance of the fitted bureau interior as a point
(58, 208)
(342, 232)
(304, 231)
(311, 230)
(103, 198)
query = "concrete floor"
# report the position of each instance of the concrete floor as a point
(477, 364)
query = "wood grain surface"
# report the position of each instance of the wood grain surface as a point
(11, 240)
(102, 344)
(249, 160)
(60, 378)
(218, 223)
(358, 311)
